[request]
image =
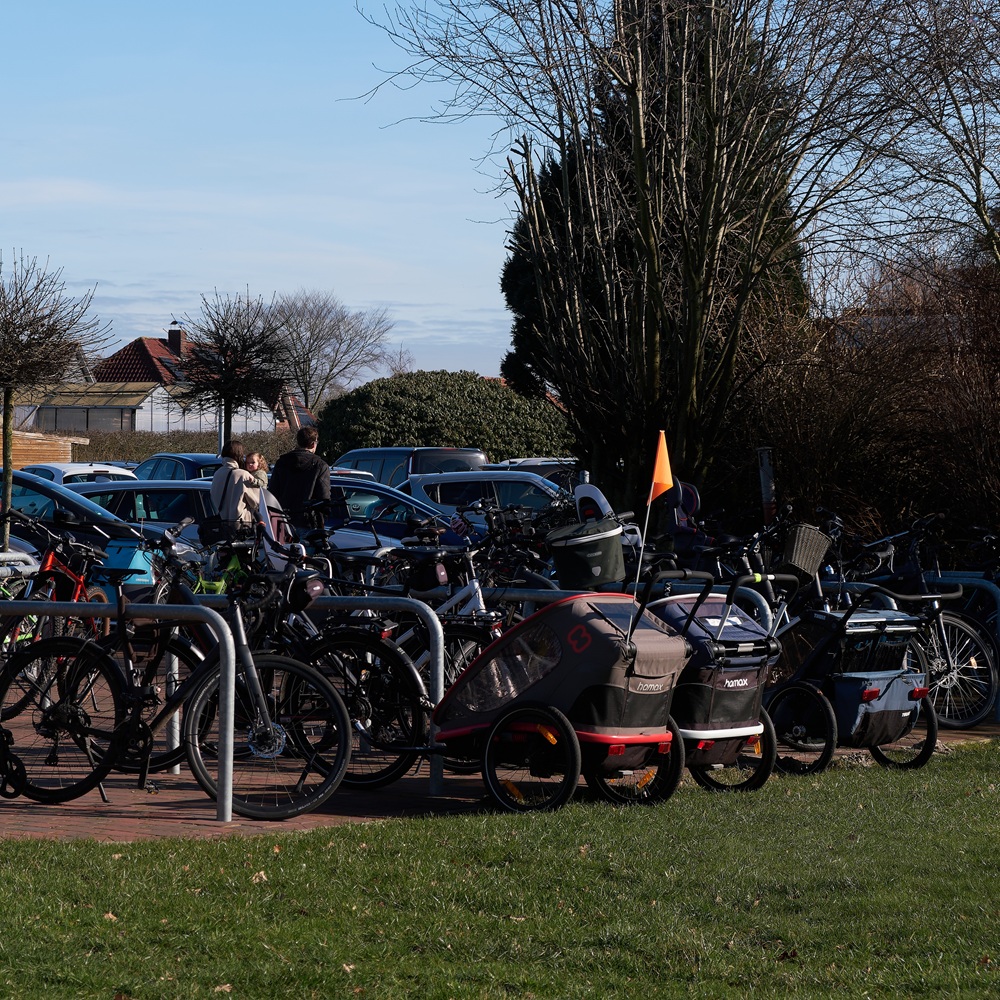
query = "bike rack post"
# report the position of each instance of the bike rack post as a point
(182, 612)
(436, 635)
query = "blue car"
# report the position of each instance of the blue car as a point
(178, 465)
(368, 514)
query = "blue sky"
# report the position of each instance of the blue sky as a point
(163, 151)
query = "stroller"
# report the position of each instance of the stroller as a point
(729, 741)
(582, 686)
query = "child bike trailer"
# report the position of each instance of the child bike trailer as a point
(583, 685)
(729, 742)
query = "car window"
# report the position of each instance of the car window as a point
(169, 506)
(359, 504)
(463, 493)
(94, 477)
(206, 469)
(41, 473)
(168, 468)
(31, 502)
(105, 500)
(521, 495)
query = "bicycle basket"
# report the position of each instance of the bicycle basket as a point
(805, 548)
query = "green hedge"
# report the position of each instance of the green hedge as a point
(444, 409)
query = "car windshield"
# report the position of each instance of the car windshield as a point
(34, 503)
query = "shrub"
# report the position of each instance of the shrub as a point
(447, 410)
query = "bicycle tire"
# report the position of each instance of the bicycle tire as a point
(531, 761)
(961, 671)
(384, 700)
(653, 782)
(288, 771)
(805, 724)
(72, 702)
(165, 749)
(90, 628)
(916, 746)
(751, 769)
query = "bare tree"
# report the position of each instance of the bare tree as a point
(937, 64)
(236, 356)
(328, 345)
(398, 361)
(712, 147)
(44, 332)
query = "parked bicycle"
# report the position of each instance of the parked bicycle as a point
(78, 710)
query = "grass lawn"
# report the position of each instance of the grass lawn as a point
(858, 883)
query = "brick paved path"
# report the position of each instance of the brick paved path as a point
(179, 808)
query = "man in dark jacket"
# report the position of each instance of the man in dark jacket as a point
(299, 478)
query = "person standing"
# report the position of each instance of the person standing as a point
(235, 492)
(299, 478)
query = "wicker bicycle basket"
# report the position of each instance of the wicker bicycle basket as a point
(805, 548)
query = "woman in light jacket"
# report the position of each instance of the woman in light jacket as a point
(235, 492)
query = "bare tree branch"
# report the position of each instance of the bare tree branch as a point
(44, 333)
(327, 345)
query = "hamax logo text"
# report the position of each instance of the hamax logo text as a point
(737, 682)
(649, 686)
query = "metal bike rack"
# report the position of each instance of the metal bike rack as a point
(181, 612)
(418, 608)
(436, 636)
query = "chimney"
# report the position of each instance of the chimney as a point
(176, 339)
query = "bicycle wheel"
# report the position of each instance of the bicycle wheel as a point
(804, 724)
(750, 770)
(64, 702)
(162, 667)
(289, 755)
(653, 782)
(916, 746)
(90, 628)
(532, 759)
(961, 671)
(384, 700)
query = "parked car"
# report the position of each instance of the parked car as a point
(367, 514)
(564, 472)
(447, 491)
(79, 472)
(394, 465)
(61, 509)
(160, 503)
(178, 465)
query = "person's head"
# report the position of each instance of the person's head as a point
(255, 461)
(234, 450)
(307, 437)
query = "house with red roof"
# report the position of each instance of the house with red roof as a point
(141, 388)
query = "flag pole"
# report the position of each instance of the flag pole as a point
(663, 480)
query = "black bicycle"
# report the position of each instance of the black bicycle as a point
(81, 709)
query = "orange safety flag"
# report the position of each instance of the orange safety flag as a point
(663, 479)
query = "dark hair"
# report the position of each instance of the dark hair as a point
(307, 437)
(234, 450)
